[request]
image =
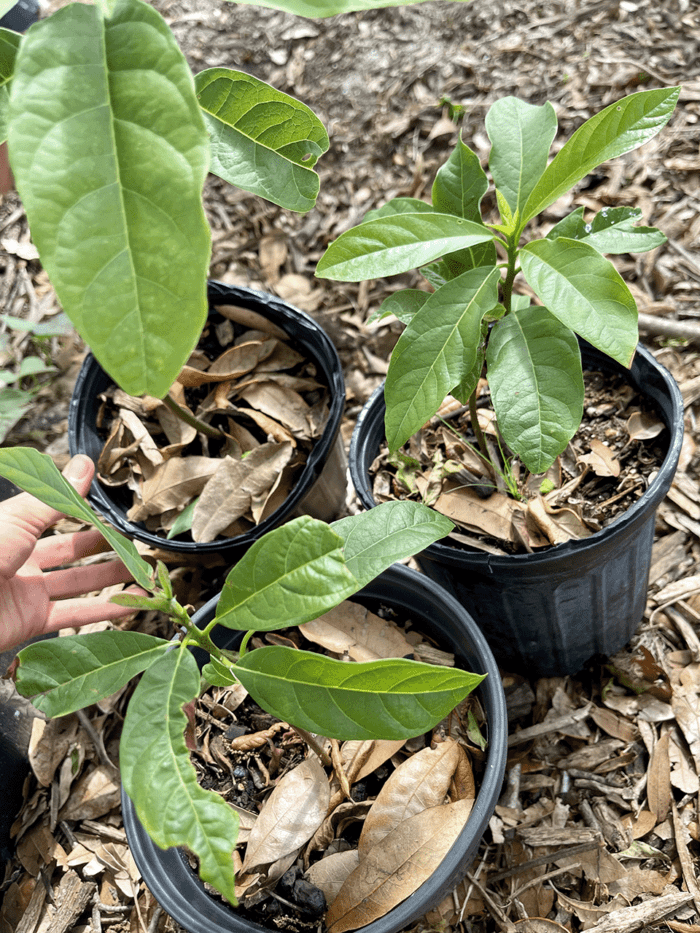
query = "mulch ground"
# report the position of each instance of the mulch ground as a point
(598, 827)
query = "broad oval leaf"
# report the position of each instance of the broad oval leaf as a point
(586, 292)
(612, 230)
(397, 866)
(110, 152)
(436, 351)
(262, 140)
(379, 537)
(160, 779)
(61, 675)
(390, 245)
(536, 381)
(399, 206)
(403, 305)
(38, 475)
(9, 43)
(388, 699)
(290, 816)
(460, 184)
(290, 576)
(617, 129)
(521, 135)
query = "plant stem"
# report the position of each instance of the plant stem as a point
(190, 419)
(512, 249)
(476, 428)
(313, 745)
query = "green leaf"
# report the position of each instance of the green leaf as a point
(317, 9)
(183, 522)
(262, 140)
(399, 206)
(521, 136)
(217, 674)
(6, 6)
(160, 779)
(37, 474)
(586, 293)
(14, 405)
(110, 152)
(469, 381)
(536, 382)
(61, 675)
(617, 129)
(436, 351)
(403, 305)
(391, 699)
(376, 539)
(396, 244)
(612, 230)
(290, 576)
(9, 43)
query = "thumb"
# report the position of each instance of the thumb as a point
(79, 472)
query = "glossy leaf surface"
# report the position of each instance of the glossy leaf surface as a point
(436, 351)
(389, 699)
(9, 43)
(611, 230)
(160, 779)
(290, 576)
(534, 367)
(38, 475)
(403, 305)
(399, 206)
(521, 135)
(390, 245)
(61, 675)
(109, 150)
(378, 538)
(586, 293)
(262, 140)
(617, 129)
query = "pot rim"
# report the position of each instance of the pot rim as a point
(374, 409)
(308, 328)
(164, 871)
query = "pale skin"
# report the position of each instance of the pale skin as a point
(36, 599)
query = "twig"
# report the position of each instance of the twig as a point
(157, 914)
(552, 725)
(494, 909)
(545, 860)
(97, 741)
(630, 919)
(664, 327)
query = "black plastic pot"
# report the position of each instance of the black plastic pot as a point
(320, 489)
(546, 614)
(180, 892)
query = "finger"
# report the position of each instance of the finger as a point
(57, 550)
(31, 518)
(74, 581)
(89, 609)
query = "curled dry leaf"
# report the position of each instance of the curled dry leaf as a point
(559, 525)
(370, 755)
(330, 873)
(492, 516)
(227, 495)
(291, 815)
(352, 629)
(173, 483)
(250, 741)
(643, 426)
(659, 791)
(399, 864)
(420, 782)
(601, 459)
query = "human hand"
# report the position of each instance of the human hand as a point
(33, 602)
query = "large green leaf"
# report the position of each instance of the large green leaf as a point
(37, 474)
(617, 129)
(586, 293)
(6, 6)
(436, 351)
(399, 206)
(403, 305)
(61, 675)
(536, 382)
(290, 576)
(9, 43)
(317, 9)
(389, 245)
(110, 152)
(376, 539)
(612, 230)
(521, 135)
(262, 140)
(160, 779)
(391, 699)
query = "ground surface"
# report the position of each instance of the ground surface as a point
(601, 808)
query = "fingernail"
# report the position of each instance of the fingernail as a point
(77, 467)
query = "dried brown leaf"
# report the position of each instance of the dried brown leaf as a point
(331, 872)
(685, 702)
(228, 493)
(642, 426)
(601, 459)
(48, 745)
(559, 525)
(659, 779)
(370, 753)
(397, 866)
(492, 516)
(173, 484)
(95, 794)
(284, 405)
(291, 815)
(351, 628)
(251, 319)
(420, 782)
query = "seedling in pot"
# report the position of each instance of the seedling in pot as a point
(289, 577)
(472, 323)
